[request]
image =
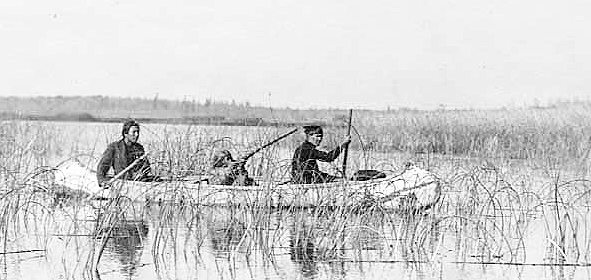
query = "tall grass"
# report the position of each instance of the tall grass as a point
(518, 133)
(559, 130)
(486, 215)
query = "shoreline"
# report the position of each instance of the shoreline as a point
(202, 120)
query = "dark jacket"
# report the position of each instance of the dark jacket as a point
(118, 156)
(304, 168)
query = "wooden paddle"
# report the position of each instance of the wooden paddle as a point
(346, 153)
(134, 163)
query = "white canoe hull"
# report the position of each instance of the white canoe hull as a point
(419, 186)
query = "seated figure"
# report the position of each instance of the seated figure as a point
(304, 168)
(227, 171)
(120, 154)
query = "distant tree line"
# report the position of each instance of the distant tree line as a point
(209, 111)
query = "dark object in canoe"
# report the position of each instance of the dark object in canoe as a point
(368, 174)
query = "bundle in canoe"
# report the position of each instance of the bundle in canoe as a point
(414, 184)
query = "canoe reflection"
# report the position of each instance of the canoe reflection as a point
(302, 251)
(225, 241)
(126, 244)
(225, 235)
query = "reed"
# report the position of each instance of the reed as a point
(490, 204)
(517, 133)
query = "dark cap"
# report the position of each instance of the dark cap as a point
(128, 124)
(312, 129)
(219, 156)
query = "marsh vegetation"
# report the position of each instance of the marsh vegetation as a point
(516, 200)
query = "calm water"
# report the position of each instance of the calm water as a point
(179, 242)
(163, 242)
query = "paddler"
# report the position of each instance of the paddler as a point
(120, 154)
(304, 168)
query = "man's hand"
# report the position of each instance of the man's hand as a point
(347, 141)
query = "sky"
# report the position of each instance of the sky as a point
(301, 54)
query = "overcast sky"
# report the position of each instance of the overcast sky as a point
(359, 54)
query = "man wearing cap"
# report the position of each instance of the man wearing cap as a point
(304, 168)
(120, 154)
(227, 171)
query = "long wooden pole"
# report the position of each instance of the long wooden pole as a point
(268, 144)
(346, 154)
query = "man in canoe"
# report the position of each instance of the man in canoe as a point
(227, 171)
(304, 168)
(120, 154)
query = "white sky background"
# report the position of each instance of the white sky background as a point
(359, 54)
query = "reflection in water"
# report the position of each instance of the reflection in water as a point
(302, 250)
(419, 237)
(126, 244)
(232, 243)
(225, 234)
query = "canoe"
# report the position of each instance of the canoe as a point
(414, 185)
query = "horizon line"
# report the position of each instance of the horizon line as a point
(442, 107)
